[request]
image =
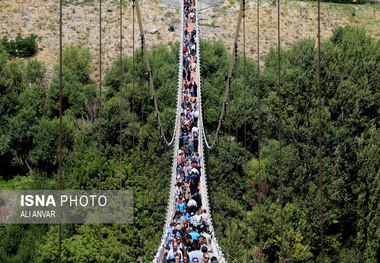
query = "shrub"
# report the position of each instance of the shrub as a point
(21, 47)
(35, 71)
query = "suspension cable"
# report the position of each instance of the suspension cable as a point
(100, 122)
(121, 118)
(236, 97)
(229, 170)
(151, 78)
(142, 139)
(280, 126)
(259, 124)
(226, 92)
(151, 182)
(245, 139)
(144, 176)
(236, 113)
(155, 172)
(320, 134)
(60, 131)
(133, 127)
(234, 259)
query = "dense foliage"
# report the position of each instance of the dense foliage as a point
(351, 147)
(29, 150)
(21, 47)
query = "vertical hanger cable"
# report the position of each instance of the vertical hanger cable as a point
(100, 122)
(259, 125)
(133, 129)
(320, 135)
(121, 118)
(60, 131)
(280, 126)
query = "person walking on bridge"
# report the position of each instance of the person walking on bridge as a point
(195, 86)
(174, 251)
(206, 257)
(180, 206)
(192, 206)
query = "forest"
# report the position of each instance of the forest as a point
(350, 80)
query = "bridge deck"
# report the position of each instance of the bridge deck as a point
(189, 227)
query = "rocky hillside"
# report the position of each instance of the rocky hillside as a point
(298, 20)
(81, 24)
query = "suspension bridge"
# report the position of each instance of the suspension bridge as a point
(189, 115)
(189, 25)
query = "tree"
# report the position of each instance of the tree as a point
(72, 94)
(21, 47)
(45, 141)
(35, 72)
(15, 75)
(77, 61)
(18, 242)
(368, 191)
(3, 77)
(18, 132)
(296, 248)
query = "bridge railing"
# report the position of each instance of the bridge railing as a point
(216, 251)
(171, 205)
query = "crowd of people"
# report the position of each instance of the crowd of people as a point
(189, 237)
